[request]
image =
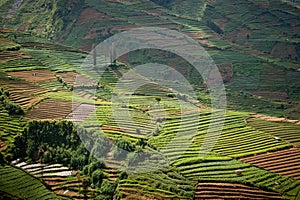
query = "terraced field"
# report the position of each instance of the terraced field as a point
(9, 128)
(50, 109)
(211, 190)
(285, 162)
(22, 185)
(283, 130)
(22, 92)
(60, 179)
(156, 185)
(34, 76)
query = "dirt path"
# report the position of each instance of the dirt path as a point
(274, 119)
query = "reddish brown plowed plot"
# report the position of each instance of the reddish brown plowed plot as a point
(22, 92)
(34, 76)
(232, 191)
(50, 110)
(285, 162)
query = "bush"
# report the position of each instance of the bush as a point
(97, 177)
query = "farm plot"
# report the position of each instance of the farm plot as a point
(283, 130)
(19, 184)
(70, 78)
(22, 92)
(50, 109)
(214, 168)
(60, 179)
(235, 140)
(285, 162)
(80, 113)
(164, 184)
(34, 76)
(211, 190)
(138, 124)
(9, 127)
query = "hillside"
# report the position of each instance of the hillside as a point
(115, 130)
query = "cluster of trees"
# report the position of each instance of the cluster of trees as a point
(59, 142)
(11, 107)
(48, 142)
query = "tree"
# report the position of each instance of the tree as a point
(158, 99)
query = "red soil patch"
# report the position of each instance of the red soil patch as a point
(90, 15)
(285, 162)
(34, 76)
(232, 191)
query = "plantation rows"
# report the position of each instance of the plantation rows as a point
(211, 190)
(286, 131)
(164, 184)
(235, 140)
(59, 178)
(9, 127)
(285, 162)
(23, 93)
(22, 185)
(50, 109)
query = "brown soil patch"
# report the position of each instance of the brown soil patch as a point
(70, 78)
(226, 70)
(90, 36)
(240, 34)
(284, 50)
(50, 109)
(262, 4)
(285, 162)
(22, 92)
(274, 119)
(212, 190)
(3, 146)
(275, 95)
(221, 23)
(157, 12)
(34, 76)
(12, 55)
(90, 15)
(24, 27)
